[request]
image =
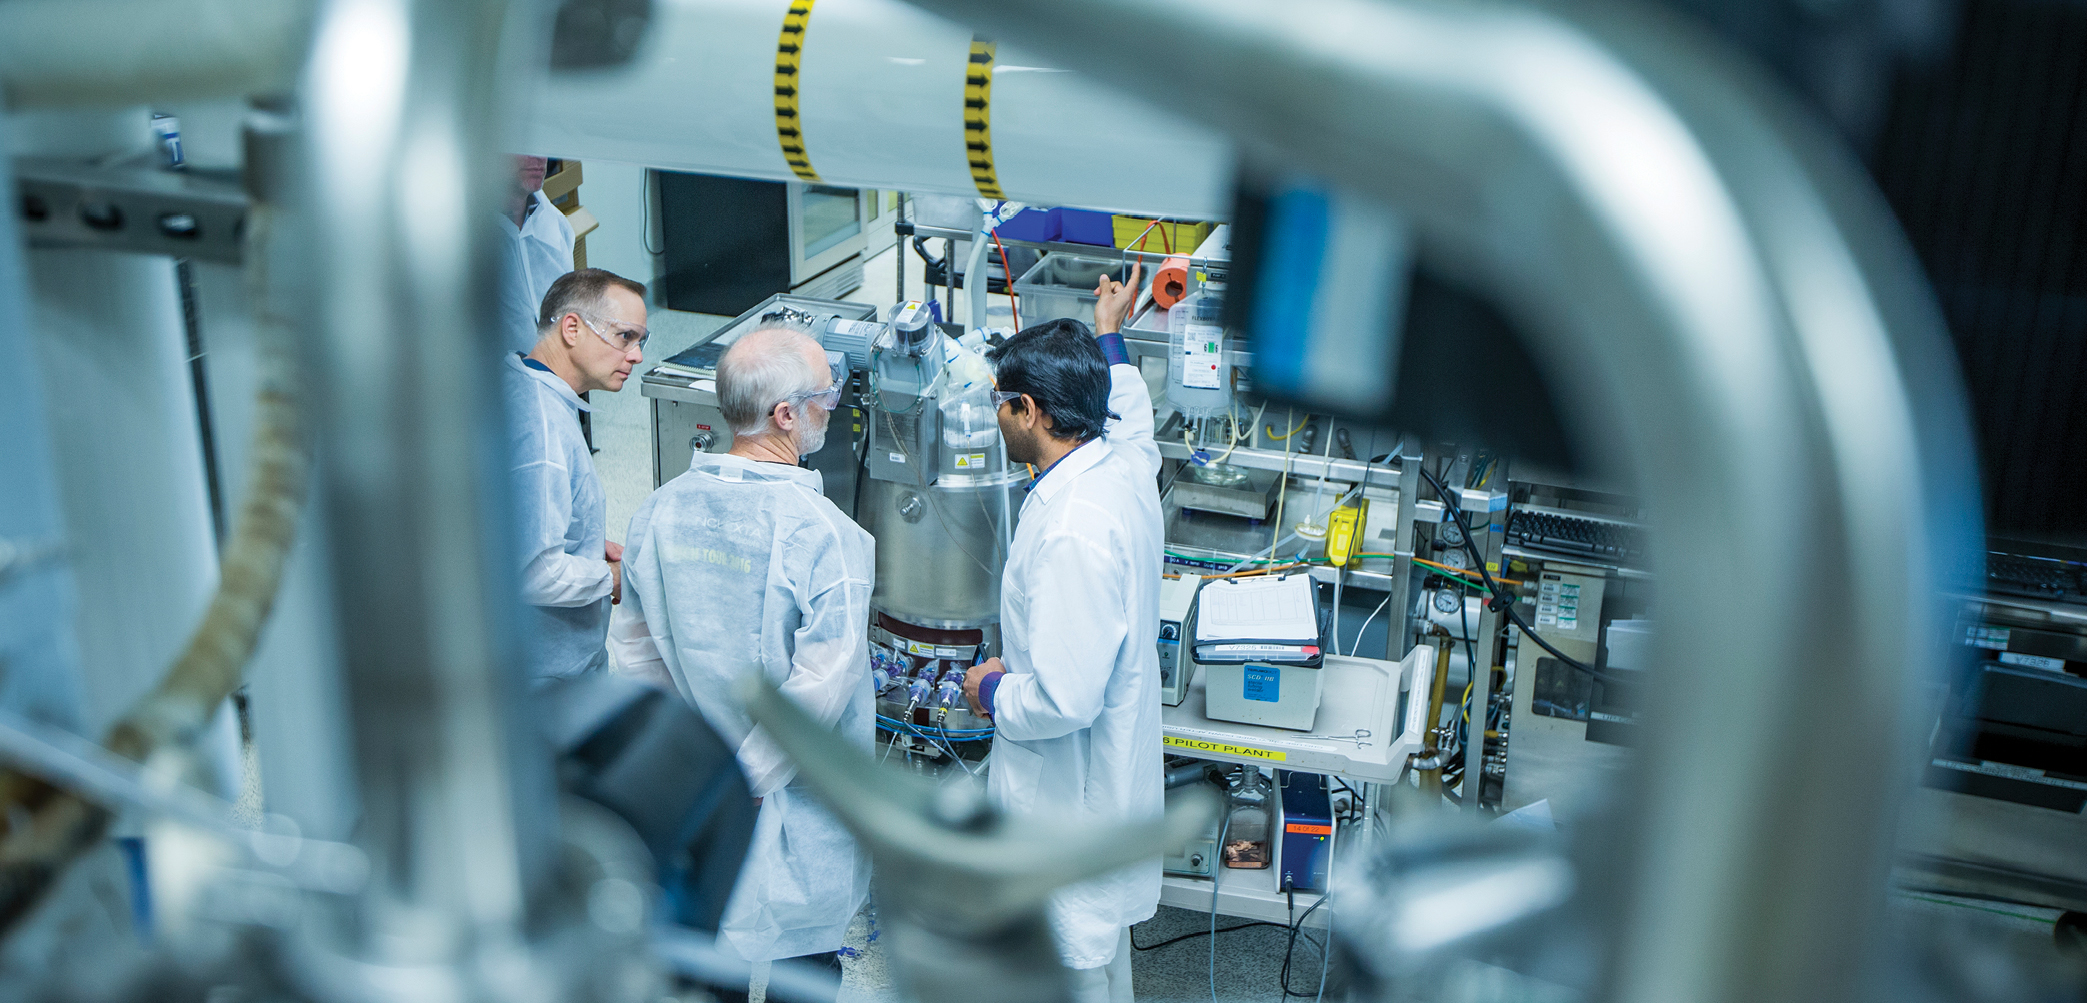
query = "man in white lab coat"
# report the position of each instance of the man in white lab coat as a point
(591, 336)
(1075, 695)
(536, 249)
(741, 565)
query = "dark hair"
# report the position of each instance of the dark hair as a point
(1058, 364)
(581, 291)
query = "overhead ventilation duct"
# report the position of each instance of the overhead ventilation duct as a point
(877, 94)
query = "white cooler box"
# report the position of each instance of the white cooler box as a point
(1277, 696)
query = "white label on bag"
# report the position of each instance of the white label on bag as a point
(1202, 357)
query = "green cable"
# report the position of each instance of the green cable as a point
(1256, 560)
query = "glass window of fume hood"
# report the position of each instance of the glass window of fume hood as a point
(831, 215)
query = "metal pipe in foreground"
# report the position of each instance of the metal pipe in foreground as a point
(70, 53)
(401, 105)
(1713, 286)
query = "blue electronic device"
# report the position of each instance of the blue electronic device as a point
(1307, 831)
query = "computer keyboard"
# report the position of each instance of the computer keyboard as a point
(2035, 578)
(1605, 541)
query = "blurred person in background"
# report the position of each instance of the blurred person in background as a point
(536, 250)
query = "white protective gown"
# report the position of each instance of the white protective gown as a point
(735, 567)
(1077, 714)
(533, 256)
(561, 523)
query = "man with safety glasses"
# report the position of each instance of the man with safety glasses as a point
(1074, 693)
(742, 566)
(590, 336)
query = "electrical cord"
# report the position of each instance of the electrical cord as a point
(1470, 650)
(1296, 927)
(1197, 933)
(1217, 871)
(1503, 602)
(1366, 624)
(1283, 489)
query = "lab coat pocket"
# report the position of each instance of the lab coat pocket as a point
(1016, 773)
(1014, 619)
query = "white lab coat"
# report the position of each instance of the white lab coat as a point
(561, 520)
(736, 567)
(533, 256)
(1077, 714)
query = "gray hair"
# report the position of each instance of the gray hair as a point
(764, 367)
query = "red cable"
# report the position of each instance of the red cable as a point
(1012, 308)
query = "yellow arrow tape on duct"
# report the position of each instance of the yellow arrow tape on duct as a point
(978, 118)
(789, 129)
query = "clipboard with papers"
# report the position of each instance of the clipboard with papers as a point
(1272, 618)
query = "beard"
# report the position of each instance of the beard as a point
(1021, 444)
(815, 436)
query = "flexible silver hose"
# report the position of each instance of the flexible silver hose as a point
(59, 825)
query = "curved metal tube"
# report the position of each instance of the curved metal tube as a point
(56, 826)
(401, 103)
(58, 53)
(1714, 288)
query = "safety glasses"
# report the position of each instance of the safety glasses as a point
(831, 395)
(828, 398)
(622, 339)
(1003, 396)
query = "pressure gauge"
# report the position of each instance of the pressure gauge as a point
(1457, 559)
(1447, 601)
(1451, 533)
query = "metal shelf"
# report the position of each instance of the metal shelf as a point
(1382, 475)
(1356, 736)
(1549, 558)
(1065, 247)
(1243, 894)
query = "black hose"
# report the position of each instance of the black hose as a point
(1503, 602)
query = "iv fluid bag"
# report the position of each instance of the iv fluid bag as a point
(1199, 380)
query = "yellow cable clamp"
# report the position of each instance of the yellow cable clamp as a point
(789, 126)
(978, 118)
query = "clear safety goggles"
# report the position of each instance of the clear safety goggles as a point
(828, 398)
(620, 339)
(1003, 396)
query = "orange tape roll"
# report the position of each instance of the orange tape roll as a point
(1170, 282)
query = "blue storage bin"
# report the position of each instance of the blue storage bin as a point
(1031, 224)
(1085, 226)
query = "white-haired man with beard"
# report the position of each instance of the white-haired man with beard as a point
(740, 566)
